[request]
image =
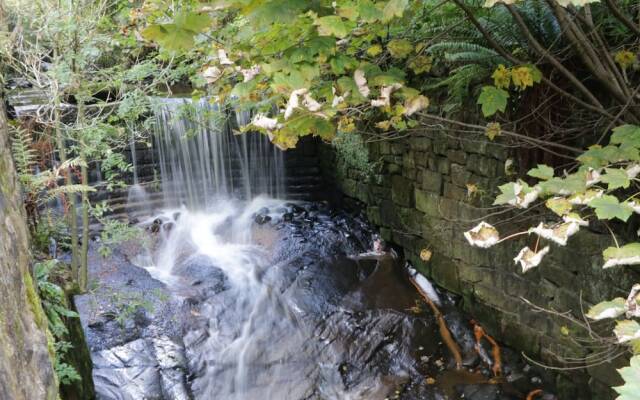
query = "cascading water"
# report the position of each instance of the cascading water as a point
(265, 300)
(201, 159)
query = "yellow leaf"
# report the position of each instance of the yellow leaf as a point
(522, 77)
(501, 77)
(625, 58)
(374, 50)
(384, 125)
(425, 255)
(492, 130)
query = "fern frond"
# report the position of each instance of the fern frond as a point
(23, 155)
(71, 163)
(68, 189)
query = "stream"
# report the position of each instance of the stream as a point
(230, 295)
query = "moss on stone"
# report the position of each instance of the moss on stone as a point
(34, 302)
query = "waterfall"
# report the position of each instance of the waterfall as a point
(201, 159)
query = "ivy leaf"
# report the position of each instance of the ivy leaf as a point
(616, 178)
(627, 135)
(628, 254)
(493, 100)
(333, 25)
(541, 171)
(631, 375)
(607, 309)
(608, 207)
(400, 48)
(627, 330)
(394, 8)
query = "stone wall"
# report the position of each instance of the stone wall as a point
(26, 371)
(418, 197)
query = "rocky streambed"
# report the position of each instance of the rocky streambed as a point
(270, 300)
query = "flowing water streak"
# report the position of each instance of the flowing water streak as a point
(201, 159)
(235, 346)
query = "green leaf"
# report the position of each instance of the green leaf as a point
(631, 375)
(333, 25)
(627, 330)
(394, 8)
(341, 64)
(608, 207)
(493, 100)
(368, 11)
(628, 254)
(598, 156)
(400, 48)
(507, 194)
(348, 10)
(542, 171)
(616, 178)
(574, 183)
(607, 309)
(192, 21)
(627, 135)
(244, 89)
(180, 34)
(559, 205)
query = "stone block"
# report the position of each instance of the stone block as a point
(373, 215)
(408, 160)
(421, 159)
(402, 191)
(427, 202)
(393, 168)
(460, 175)
(455, 192)
(440, 147)
(398, 148)
(385, 147)
(483, 166)
(443, 165)
(420, 143)
(444, 272)
(457, 156)
(431, 181)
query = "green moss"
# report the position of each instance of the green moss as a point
(34, 302)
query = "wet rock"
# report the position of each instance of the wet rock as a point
(155, 226)
(201, 272)
(261, 219)
(141, 369)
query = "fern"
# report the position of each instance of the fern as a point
(466, 52)
(23, 155)
(459, 82)
(68, 189)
